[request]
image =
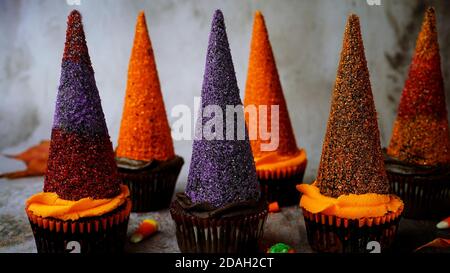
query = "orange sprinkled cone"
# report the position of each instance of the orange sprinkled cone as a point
(144, 131)
(351, 173)
(145, 154)
(263, 88)
(352, 160)
(418, 155)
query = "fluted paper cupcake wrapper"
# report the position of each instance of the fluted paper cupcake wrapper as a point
(425, 196)
(152, 189)
(339, 235)
(280, 184)
(237, 234)
(102, 234)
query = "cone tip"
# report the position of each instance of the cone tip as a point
(353, 18)
(430, 11)
(75, 13)
(141, 17)
(430, 16)
(218, 15)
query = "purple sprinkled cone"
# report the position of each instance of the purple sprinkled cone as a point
(78, 106)
(221, 171)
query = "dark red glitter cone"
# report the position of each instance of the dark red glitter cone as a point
(421, 133)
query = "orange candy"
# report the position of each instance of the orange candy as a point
(144, 131)
(274, 207)
(264, 88)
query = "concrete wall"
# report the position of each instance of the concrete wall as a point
(306, 37)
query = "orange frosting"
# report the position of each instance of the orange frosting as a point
(49, 204)
(144, 130)
(273, 160)
(352, 206)
(263, 88)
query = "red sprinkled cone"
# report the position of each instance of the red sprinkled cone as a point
(421, 133)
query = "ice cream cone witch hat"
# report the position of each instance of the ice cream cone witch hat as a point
(144, 131)
(351, 193)
(145, 153)
(221, 171)
(280, 168)
(81, 160)
(421, 133)
(222, 193)
(418, 155)
(81, 185)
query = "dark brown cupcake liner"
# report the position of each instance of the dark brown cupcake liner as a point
(339, 235)
(425, 197)
(234, 234)
(102, 234)
(280, 185)
(425, 190)
(152, 188)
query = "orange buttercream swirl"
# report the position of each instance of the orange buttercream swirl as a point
(49, 204)
(273, 160)
(351, 206)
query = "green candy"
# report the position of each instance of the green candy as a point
(280, 248)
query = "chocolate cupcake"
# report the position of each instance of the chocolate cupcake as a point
(221, 210)
(349, 204)
(145, 154)
(418, 155)
(280, 164)
(83, 207)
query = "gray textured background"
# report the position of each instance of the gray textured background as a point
(306, 37)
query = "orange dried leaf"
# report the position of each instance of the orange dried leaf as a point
(35, 158)
(438, 243)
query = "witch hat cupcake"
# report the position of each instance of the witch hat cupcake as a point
(221, 210)
(349, 204)
(280, 168)
(145, 154)
(418, 156)
(83, 203)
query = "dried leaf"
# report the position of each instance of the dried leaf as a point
(35, 158)
(438, 243)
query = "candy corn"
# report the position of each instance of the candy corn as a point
(444, 223)
(145, 229)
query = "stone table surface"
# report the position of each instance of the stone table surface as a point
(286, 226)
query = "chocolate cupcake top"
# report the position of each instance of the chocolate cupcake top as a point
(421, 132)
(81, 159)
(264, 88)
(352, 160)
(222, 171)
(144, 131)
